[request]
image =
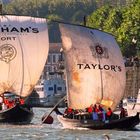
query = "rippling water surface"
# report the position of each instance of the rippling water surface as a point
(37, 131)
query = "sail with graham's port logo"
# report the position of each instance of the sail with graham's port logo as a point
(94, 67)
(24, 48)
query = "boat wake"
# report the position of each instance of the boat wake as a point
(75, 128)
(22, 126)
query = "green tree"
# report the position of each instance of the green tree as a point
(122, 22)
(130, 29)
(97, 18)
(65, 10)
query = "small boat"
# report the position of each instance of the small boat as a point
(24, 49)
(126, 123)
(132, 105)
(84, 121)
(39, 88)
(95, 75)
(17, 115)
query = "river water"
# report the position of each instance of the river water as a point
(37, 131)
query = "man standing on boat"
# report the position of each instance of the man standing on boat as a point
(109, 113)
(94, 115)
(1, 101)
(123, 113)
(90, 109)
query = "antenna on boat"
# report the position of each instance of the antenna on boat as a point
(1, 7)
(37, 13)
(85, 20)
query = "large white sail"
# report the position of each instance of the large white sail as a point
(23, 52)
(94, 67)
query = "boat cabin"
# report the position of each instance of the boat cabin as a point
(54, 87)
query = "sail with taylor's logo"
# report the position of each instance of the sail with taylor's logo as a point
(95, 78)
(94, 67)
(24, 49)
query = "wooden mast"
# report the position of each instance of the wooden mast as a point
(1, 7)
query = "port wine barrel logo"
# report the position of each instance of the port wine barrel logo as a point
(99, 52)
(7, 53)
(99, 49)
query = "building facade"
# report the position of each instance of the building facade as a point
(55, 59)
(53, 75)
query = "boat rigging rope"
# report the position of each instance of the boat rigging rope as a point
(22, 55)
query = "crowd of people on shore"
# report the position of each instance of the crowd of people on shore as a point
(96, 113)
(7, 102)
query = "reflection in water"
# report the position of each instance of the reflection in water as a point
(38, 131)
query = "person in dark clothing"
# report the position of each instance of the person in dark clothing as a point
(57, 111)
(109, 113)
(123, 113)
(100, 112)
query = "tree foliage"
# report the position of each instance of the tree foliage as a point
(62, 8)
(122, 22)
(65, 10)
(119, 17)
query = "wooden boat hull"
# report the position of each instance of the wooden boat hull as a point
(126, 123)
(17, 114)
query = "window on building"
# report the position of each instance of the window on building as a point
(49, 58)
(54, 59)
(60, 57)
(55, 68)
(58, 76)
(50, 88)
(49, 68)
(59, 88)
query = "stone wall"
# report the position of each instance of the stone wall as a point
(132, 81)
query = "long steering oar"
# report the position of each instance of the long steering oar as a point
(137, 101)
(47, 118)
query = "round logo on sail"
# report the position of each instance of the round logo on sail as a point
(7, 52)
(99, 49)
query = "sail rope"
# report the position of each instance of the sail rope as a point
(22, 56)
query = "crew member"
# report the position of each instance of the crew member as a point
(21, 101)
(1, 101)
(109, 113)
(90, 109)
(123, 113)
